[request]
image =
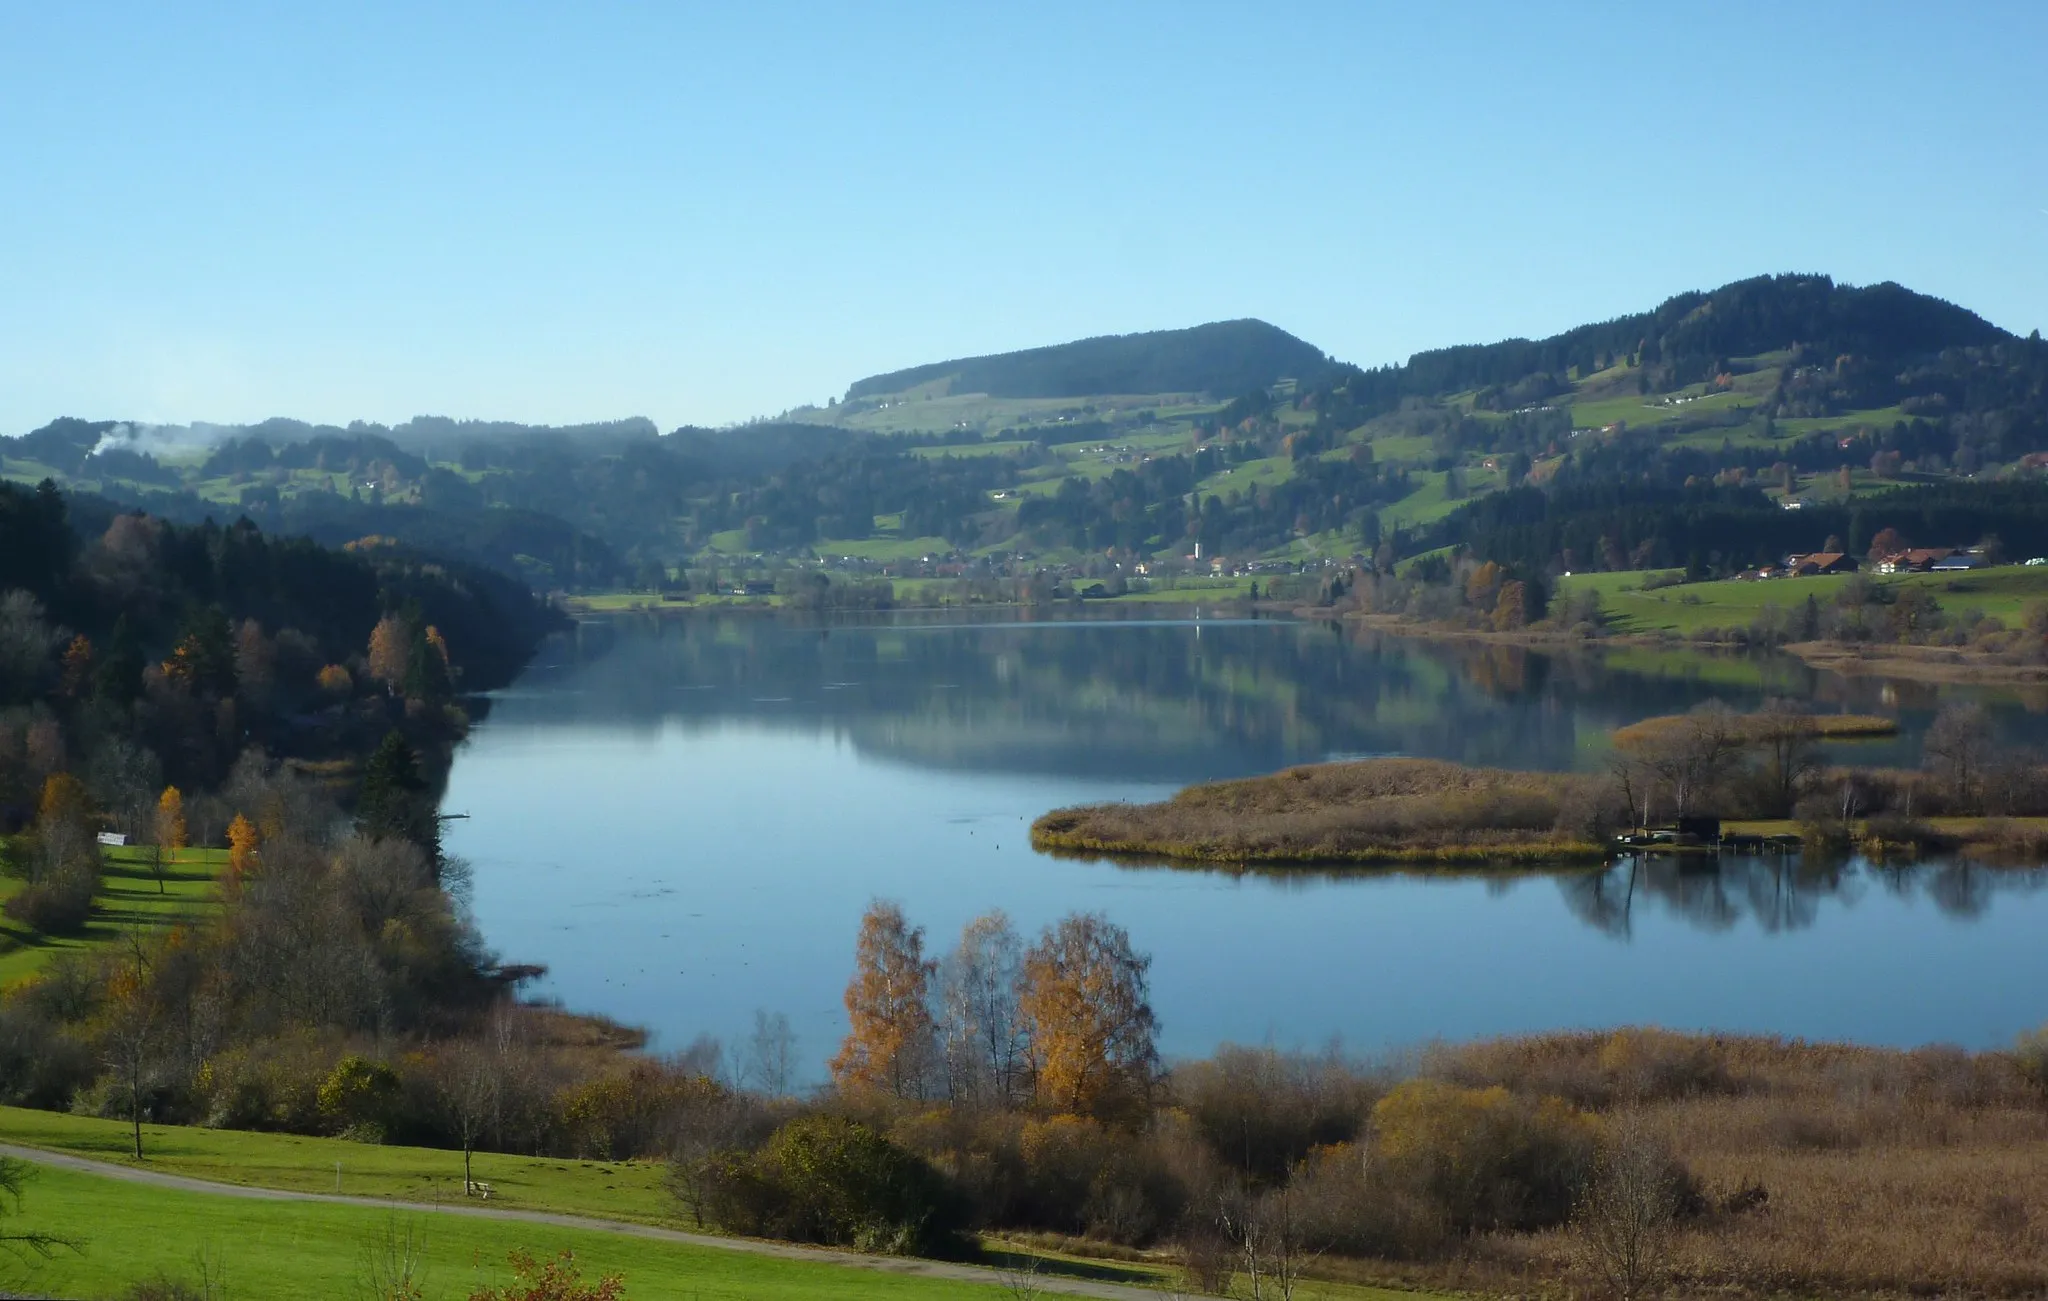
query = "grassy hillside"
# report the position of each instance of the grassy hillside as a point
(130, 896)
(1686, 608)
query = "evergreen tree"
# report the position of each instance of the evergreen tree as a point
(395, 802)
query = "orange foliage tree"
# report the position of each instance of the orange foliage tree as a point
(889, 1048)
(1086, 1005)
(243, 840)
(170, 819)
(335, 681)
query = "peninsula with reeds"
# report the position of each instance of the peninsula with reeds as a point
(1366, 812)
(1750, 779)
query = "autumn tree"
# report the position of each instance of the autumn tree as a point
(888, 1048)
(335, 681)
(391, 650)
(243, 840)
(131, 1029)
(170, 820)
(1511, 607)
(1085, 1004)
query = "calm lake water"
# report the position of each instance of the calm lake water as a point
(684, 818)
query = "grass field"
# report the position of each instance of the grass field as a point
(128, 897)
(313, 1249)
(297, 1249)
(2004, 593)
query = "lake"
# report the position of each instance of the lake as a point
(684, 817)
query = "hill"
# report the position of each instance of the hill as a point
(1224, 358)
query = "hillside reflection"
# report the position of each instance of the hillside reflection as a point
(1149, 699)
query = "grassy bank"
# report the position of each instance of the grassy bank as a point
(1374, 811)
(130, 896)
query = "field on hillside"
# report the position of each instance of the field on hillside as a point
(2004, 593)
(130, 896)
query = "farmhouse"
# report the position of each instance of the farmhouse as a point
(1820, 562)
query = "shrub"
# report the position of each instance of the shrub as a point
(60, 903)
(830, 1180)
(1484, 1158)
(358, 1096)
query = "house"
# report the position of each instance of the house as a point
(113, 839)
(1821, 562)
(1917, 560)
(1955, 562)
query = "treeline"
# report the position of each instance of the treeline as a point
(1719, 529)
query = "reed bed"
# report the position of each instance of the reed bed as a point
(1390, 811)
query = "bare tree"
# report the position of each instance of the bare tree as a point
(770, 1064)
(467, 1087)
(1266, 1232)
(1789, 738)
(1957, 749)
(132, 1030)
(1623, 1222)
(983, 1034)
(395, 1262)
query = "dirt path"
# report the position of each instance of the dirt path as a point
(1049, 1283)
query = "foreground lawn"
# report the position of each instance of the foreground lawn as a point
(301, 1249)
(613, 1190)
(129, 896)
(311, 1249)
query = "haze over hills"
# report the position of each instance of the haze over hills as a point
(1234, 435)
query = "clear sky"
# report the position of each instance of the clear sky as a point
(703, 213)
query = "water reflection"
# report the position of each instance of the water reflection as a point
(1162, 699)
(1779, 894)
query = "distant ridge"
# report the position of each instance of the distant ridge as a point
(1225, 358)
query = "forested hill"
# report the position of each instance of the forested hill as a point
(1690, 338)
(1224, 358)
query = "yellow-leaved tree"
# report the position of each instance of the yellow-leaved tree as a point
(891, 1044)
(243, 842)
(390, 649)
(170, 820)
(1087, 1010)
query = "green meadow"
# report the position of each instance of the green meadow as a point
(130, 896)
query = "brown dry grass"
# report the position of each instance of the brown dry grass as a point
(1833, 727)
(1369, 811)
(1886, 1173)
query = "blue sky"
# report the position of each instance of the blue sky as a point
(704, 213)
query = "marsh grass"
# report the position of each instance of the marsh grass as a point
(1393, 811)
(1829, 1169)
